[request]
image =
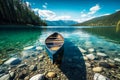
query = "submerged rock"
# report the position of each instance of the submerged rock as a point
(104, 64)
(91, 50)
(51, 74)
(82, 50)
(39, 48)
(13, 61)
(117, 59)
(101, 54)
(90, 56)
(85, 58)
(38, 77)
(98, 76)
(28, 48)
(7, 76)
(97, 69)
(33, 67)
(22, 65)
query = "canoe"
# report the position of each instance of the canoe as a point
(54, 45)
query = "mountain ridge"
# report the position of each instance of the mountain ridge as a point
(108, 20)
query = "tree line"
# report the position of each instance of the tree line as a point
(18, 12)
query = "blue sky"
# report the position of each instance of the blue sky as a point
(78, 10)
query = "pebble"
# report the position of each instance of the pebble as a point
(97, 69)
(101, 54)
(7, 76)
(91, 50)
(1, 62)
(37, 77)
(90, 56)
(104, 64)
(82, 50)
(33, 67)
(85, 58)
(23, 74)
(22, 65)
(13, 61)
(88, 64)
(98, 76)
(117, 59)
(39, 48)
(51, 74)
(28, 48)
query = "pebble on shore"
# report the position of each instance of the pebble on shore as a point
(51, 74)
(97, 69)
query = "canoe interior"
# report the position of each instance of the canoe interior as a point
(54, 41)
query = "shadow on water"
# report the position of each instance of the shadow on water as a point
(73, 64)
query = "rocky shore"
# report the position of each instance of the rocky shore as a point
(34, 64)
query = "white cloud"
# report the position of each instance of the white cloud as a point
(50, 15)
(84, 16)
(94, 9)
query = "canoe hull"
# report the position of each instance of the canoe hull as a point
(57, 56)
(54, 45)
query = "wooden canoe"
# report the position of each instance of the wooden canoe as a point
(54, 46)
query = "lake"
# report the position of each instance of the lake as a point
(93, 40)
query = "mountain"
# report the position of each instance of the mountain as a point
(108, 20)
(61, 23)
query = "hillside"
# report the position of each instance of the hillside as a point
(61, 23)
(18, 12)
(108, 20)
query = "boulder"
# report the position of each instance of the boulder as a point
(37, 77)
(12, 61)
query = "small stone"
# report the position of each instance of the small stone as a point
(104, 64)
(98, 76)
(41, 56)
(23, 74)
(28, 48)
(85, 58)
(90, 56)
(51, 74)
(13, 61)
(118, 76)
(101, 54)
(117, 59)
(33, 67)
(1, 62)
(12, 74)
(88, 64)
(5, 77)
(82, 50)
(22, 65)
(97, 69)
(26, 78)
(38, 77)
(91, 50)
(39, 48)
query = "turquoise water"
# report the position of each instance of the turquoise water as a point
(12, 41)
